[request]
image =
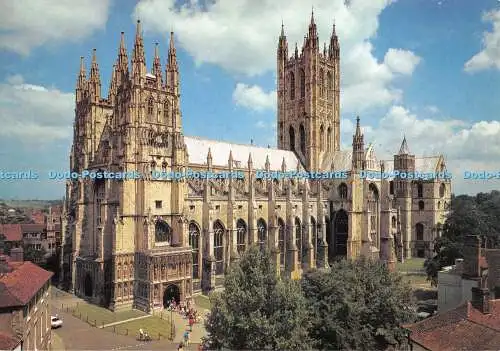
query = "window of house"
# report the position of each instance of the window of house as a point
(158, 204)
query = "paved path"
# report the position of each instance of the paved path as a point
(124, 321)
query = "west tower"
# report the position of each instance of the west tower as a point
(308, 85)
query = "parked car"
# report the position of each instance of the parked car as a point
(56, 322)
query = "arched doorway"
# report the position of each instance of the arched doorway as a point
(172, 292)
(341, 230)
(87, 285)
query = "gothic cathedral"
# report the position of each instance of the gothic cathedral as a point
(139, 242)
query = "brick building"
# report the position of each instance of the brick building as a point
(24, 304)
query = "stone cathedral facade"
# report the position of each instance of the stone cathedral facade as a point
(137, 242)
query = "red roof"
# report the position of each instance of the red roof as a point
(12, 232)
(462, 328)
(8, 341)
(22, 283)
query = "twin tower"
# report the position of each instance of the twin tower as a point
(308, 87)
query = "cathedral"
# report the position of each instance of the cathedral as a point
(136, 243)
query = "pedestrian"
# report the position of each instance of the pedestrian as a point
(180, 347)
(186, 337)
(191, 322)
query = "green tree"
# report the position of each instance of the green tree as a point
(358, 305)
(34, 255)
(257, 310)
(470, 215)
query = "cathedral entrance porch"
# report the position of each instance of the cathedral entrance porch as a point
(172, 292)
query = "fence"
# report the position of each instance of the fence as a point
(117, 328)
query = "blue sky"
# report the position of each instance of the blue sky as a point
(426, 69)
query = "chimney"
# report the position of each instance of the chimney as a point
(472, 255)
(481, 299)
(17, 254)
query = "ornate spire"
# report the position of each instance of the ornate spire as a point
(122, 61)
(313, 32)
(138, 57)
(283, 165)
(267, 164)
(358, 128)
(157, 65)
(334, 48)
(404, 150)
(172, 53)
(282, 44)
(95, 79)
(250, 162)
(113, 83)
(230, 159)
(296, 51)
(358, 147)
(172, 71)
(82, 75)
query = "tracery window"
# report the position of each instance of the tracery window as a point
(419, 229)
(292, 86)
(298, 238)
(302, 83)
(241, 235)
(281, 240)
(163, 232)
(342, 190)
(218, 247)
(194, 242)
(321, 83)
(302, 132)
(262, 233)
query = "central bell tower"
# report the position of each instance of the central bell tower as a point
(308, 85)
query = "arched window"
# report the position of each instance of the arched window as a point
(421, 205)
(419, 229)
(194, 242)
(241, 235)
(342, 190)
(219, 247)
(281, 240)
(391, 187)
(292, 138)
(298, 238)
(329, 139)
(302, 83)
(314, 237)
(292, 86)
(302, 133)
(166, 112)
(420, 190)
(373, 198)
(439, 205)
(151, 104)
(163, 232)
(262, 233)
(329, 78)
(393, 222)
(321, 82)
(442, 190)
(321, 137)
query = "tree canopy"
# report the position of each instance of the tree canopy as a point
(358, 305)
(354, 305)
(469, 215)
(257, 310)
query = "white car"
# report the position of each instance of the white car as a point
(55, 322)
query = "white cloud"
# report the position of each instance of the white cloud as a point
(466, 146)
(241, 36)
(489, 56)
(401, 61)
(253, 97)
(34, 114)
(27, 24)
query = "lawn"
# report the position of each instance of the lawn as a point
(202, 301)
(98, 316)
(154, 326)
(411, 265)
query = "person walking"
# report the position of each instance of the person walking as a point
(191, 322)
(186, 337)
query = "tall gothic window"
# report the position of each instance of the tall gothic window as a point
(391, 187)
(321, 83)
(292, 86)
(442, 190)
(151, 104)
(329, 139)
(163, 232)
(166, 112)
(241, 235)
(194, 242)
(329, 79)
(419, 229)
(302, 133)
(298, 238)
(292, 138)
(321, 137)
(421, 205)
(420, 190)
(314, 237)
(302, 83)
(393, 222)
(262, 233)
(281, 240)
(219, 247)
(373, 199)
(342, 190)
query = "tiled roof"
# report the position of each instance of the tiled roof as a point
(22, 283)
(12, 232)
(33, 227)
(8, 341)
(462, 328)
(197, 149)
